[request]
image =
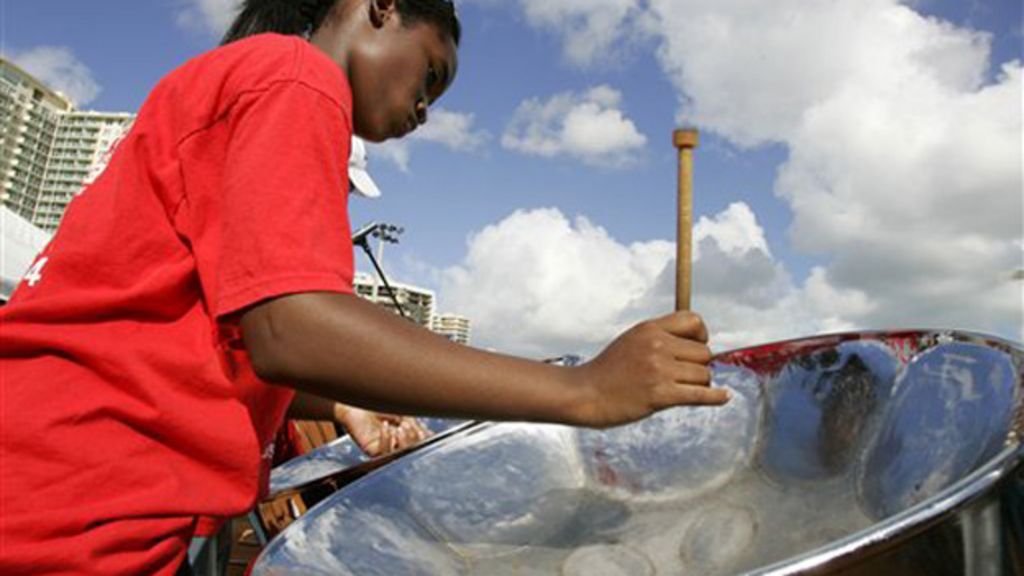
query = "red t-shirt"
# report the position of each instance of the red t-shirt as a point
(129, 406)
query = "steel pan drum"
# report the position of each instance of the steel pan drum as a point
(855, 454)
(338, 455)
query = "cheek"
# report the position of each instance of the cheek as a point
(368, 111)
(384, 90)
(397, 83)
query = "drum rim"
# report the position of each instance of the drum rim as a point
(908, 523)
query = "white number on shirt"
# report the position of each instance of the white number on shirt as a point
(35, 273)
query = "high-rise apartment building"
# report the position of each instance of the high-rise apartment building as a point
(456, 328)
(418, 303)
(49, 150)
(81, 150)
(29, 114)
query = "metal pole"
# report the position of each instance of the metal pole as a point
(380, 273)
(361, 239)
(685, 141)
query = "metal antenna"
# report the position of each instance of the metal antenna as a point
(386, 233)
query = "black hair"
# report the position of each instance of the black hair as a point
(297, 17)
(440, 13)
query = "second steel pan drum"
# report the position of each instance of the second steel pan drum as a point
(854, 454)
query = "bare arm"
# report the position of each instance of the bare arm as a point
(307, 406)
(341, 347)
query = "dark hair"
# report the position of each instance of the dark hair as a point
(296, 17)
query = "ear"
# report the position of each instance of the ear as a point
(381, 11)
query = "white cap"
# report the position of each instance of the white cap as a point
(362, 184)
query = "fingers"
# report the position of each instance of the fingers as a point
(372, 447)
(684, 324)
(399, 435)
(388, 439)
(393, 419)
(655, 365)
(687, 350)
(407, 433)
(690, 386)
(395, 439)
(689, 395)
(691, 374)
(420, 432)
(689, 357)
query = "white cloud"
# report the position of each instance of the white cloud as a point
(593, 31)
(540, 285)
(453, 130)
(397, 152)
(905, 168)
(752, 71)
(59, 68)
(210, 17)
(590, 27)
(537, 284)
(590, 127)
(735, 230)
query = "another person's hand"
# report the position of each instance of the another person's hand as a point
(378, 434)
(655, 365)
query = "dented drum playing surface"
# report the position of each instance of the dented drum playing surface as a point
(876, 453)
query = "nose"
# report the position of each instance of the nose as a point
(421, 111)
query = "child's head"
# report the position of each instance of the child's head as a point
(400, 55)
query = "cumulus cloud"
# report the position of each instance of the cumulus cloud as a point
(210, 17)
(904, 168)
(735, 230)
(905, 162)
(540, 284)
(590, 127)
(59, 68)
(537, 283)
(591, 28)
(593, 31)
(397, 152)
(453, 130)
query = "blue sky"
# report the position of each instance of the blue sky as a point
(860, 164)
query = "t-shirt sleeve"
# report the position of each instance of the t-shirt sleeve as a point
(265, 201)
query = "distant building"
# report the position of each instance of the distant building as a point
(29, 114)
(48, 149)
(81, 151)
(418, 303)
(456, 328)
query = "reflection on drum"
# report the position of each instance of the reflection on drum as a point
(855, 454)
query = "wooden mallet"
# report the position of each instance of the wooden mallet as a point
(685, 141)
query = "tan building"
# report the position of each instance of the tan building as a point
(48, 150)
(81, 151)
(456, 328)
(29, 115)
(418, 303)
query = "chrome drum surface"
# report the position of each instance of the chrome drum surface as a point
(338, 455)
(871, 453)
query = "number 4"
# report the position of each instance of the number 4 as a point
(35, 273)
